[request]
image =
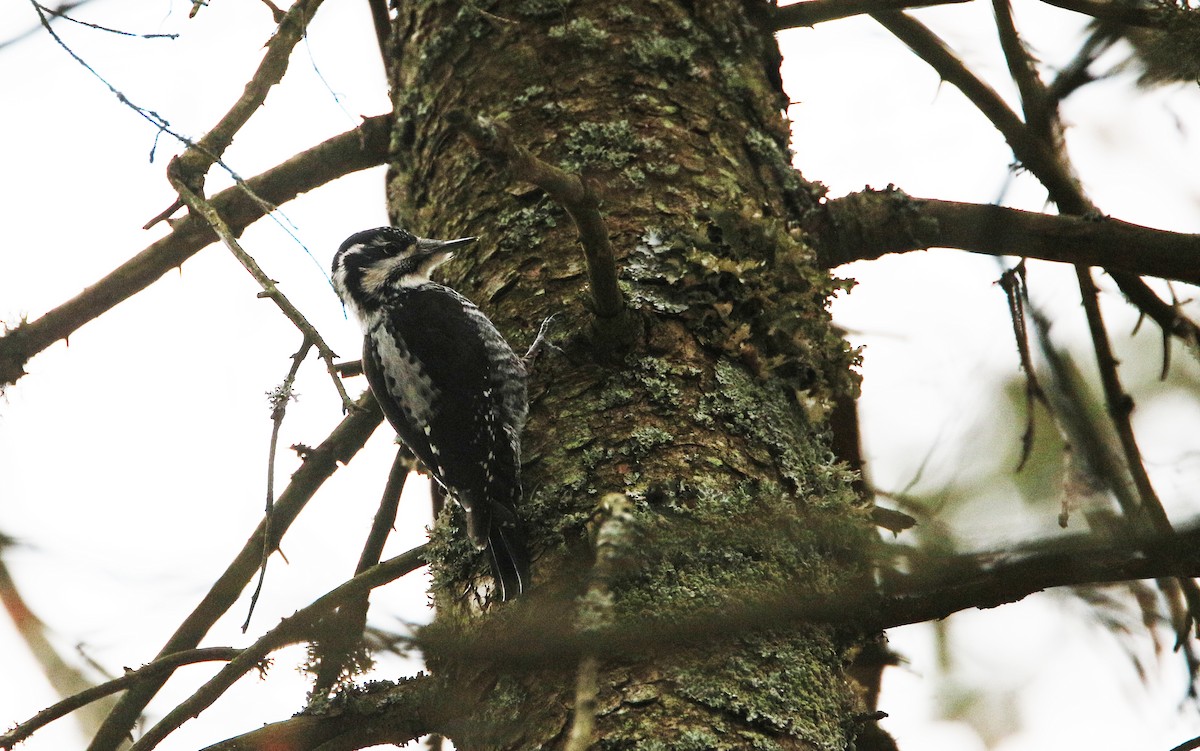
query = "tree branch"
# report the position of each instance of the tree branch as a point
(365, 146)
(1030, 151)
(413, 707)
(1122, 13)
(870, 224)
(288, 631)
(812, 12)
(193, 164)
(71, 703)
(319, 464)
(544, 635)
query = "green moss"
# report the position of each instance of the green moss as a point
(529, 94)
(541, 8)
(582, 32)
(622, 12)
(607, 145)
(764, 415)
(645, 439)
(524, 228)
(659, 379)
(778, 684)
(656, 53)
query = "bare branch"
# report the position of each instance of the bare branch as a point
(382, 22)
(1032, 152)
(61, 12)
(1044, 155)
(540, 636)
(162, 665)
(1040, 115)
(192, 165)
(279, 398)
(611, 542)
(358, 149)
(812, 12)
(289, 630)
(319, 464)
(1123, 13)
(870, 224)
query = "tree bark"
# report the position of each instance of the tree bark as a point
(710, 415)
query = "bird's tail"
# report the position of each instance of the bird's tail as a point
(508, 556)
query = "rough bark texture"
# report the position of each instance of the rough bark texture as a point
(713, 423)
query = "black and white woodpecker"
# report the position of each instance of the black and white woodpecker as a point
(447, 381)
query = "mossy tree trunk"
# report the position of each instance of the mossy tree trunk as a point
(712, 421)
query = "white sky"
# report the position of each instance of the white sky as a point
(132, 461)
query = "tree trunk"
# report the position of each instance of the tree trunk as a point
(712, 418)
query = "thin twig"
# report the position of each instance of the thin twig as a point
(280, 398)
(55, 13)
(360, 148)
(318, 465)
(1120, 405)
(61, 12)
(812, 12)
(158, 121)
(1045, 158)
(199, 205)
(1017, 294)
(1033, 154)
(289, 630)
(1126, 14)
(494, 143)
(193, 164)
(1035, 99)
(62, 708)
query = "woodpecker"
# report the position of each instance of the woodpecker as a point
(447, 381)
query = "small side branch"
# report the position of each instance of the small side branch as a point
(1032, 152)
(289, 630)
(944, 586)
(160, 666)
(280, 397)
(319, 464)
(493, 142)
(1122, 13)
(813, 12)
(197, 204)
(870, 224)
(198, 157)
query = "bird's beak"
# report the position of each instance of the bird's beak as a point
(442, 248)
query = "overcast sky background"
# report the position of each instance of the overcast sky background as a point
(132, 462)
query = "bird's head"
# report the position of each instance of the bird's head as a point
(371, 262)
